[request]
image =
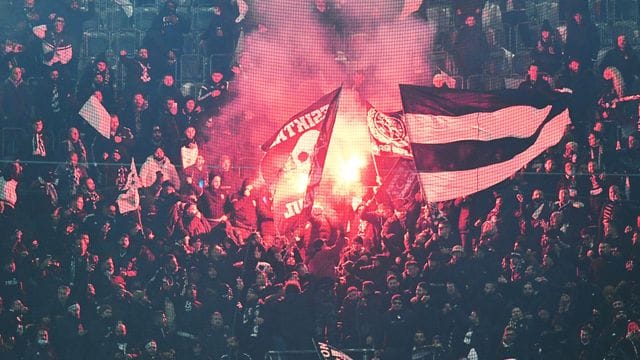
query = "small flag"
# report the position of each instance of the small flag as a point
(97, 116)
(329, 352)
(129, 200)
(126, 6)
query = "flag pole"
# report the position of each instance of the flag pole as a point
(371, 142)
(375, 167)
(404, 116)
(139, 218)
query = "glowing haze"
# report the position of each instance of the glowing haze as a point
(295, 61)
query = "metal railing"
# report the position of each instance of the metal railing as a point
(356, 354)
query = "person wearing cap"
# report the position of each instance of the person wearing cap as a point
(458, 262)
(213, 94)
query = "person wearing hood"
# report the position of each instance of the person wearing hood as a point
(159, 162)
(243, 212)
(322, 259)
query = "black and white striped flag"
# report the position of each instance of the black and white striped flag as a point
(464, 141)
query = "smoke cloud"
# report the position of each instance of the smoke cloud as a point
(302, 55)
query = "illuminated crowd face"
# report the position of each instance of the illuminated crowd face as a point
(621, 41)
(138, 100)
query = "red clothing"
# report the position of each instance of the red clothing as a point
(323, 263)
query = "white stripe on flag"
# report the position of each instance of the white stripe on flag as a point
(96, 115)
(447, 185)
(522, 122)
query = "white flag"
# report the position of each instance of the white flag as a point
(188, 155)
(97, 116)
(126, 6)
(129, 200)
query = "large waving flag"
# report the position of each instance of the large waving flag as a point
(464, 141)
(294, 159)
(129, 200)
(96, 115)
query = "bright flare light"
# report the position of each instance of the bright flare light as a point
(350, 170)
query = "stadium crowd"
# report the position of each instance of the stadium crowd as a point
(541, 266)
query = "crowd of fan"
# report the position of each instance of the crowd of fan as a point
(541, 266)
